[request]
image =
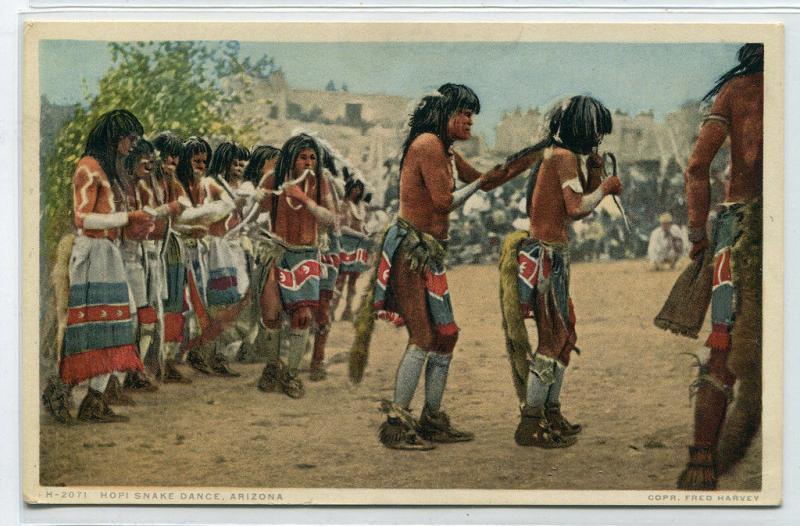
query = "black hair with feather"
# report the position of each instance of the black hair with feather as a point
(751, 60)
(579, 123)
(226, 154)
(166, 144)
(142, 148)
(434, 111)
(354, 182)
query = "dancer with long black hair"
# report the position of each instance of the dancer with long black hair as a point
(410, 283)
(100, 339)
(300, 204)
(730, 238)
(565, 185)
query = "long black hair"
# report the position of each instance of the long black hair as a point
(142, 148)
(354, 182)
(329, 160)
(167, 144)
(191, 147)
(283, 169)
(751, 60)
(434, 111)
(226, 153)
(104, 137)
(258, 158)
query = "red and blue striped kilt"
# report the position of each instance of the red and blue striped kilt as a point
(100, 336)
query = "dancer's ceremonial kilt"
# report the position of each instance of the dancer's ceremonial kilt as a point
(228, 278)
(355, 253)
(403, 240)
(331, 261)
(299, 271)
(100, 336)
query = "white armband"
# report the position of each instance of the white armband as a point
(207, 213)
(104, 221)
(461, 195)
(323, 216)
(246, 189)
(573, 184)
(717, 118)
(160, 211)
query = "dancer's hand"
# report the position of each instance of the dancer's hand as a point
(295, 192)
(494, 176)
(594, 161)
(612, 186)
(698, 248)
(140, 224)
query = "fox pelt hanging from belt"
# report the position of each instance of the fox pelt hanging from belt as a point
(518, 346)
(56, 395)
(59, 279)
(684, 313)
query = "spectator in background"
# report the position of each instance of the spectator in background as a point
(666, 244)
(593, 235)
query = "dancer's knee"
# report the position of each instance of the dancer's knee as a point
(301, 318)
(323, 314)
(423, 339)
(445, 344)
(272, 323)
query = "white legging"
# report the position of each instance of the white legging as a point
(99, 382)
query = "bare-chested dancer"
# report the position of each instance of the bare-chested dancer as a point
(735, 238)
(560, 190)
(355, 245)
(411, 285)
(301, 204)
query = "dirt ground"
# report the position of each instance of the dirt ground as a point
(629, 388)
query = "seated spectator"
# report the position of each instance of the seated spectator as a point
(666, 244)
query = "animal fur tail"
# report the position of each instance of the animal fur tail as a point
(518, 345)
(363, 324)
(59, 279)
(741, 425)
(684, 311)
(744, 418)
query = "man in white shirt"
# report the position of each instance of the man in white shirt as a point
(666, 244)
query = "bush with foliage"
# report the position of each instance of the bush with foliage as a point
(177, 86)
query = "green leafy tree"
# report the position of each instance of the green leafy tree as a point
(186, 87)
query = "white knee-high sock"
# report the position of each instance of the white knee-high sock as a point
(98, 383)
(436, 379)
(408, 373)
